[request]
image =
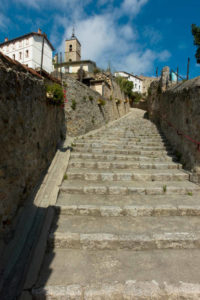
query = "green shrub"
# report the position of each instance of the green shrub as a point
(117, 101)
(73, 105)
(91, 98)
(111, 97)
(96, 70)
(125, 85)
(136, 97)
(55, 94)
(84, 98)
(101, 102)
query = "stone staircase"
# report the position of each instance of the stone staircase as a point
(127, 220)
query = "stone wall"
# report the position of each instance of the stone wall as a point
(82, 111)
(177, 111)
(30, 132)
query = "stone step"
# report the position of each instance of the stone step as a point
(121, 143)
(149, 153)
(128, 175)
(121, 146)
(97, 164)
(134, 233)
(117, 275)
(118, 157)
(130, 210)
(122, 140)
(130, 187)
(177, 202)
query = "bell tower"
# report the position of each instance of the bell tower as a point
(72, 48)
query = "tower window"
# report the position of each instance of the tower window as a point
(27, 53)
(70, 48)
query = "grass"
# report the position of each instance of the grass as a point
(91, 98)
(190, 194)
(65, 177)
(73, 105)
(164, 188)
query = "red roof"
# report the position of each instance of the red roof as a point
(27, 35)
(43, 74)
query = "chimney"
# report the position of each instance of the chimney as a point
(39, 31)
(6, 39)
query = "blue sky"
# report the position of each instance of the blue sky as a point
(132, 35)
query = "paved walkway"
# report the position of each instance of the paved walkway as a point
(127, 220)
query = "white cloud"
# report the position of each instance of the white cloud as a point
(152, 34)
(4, 22)
(133, 7)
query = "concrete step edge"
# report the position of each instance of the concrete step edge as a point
(128, 210)
(131, 289)
(134, 242)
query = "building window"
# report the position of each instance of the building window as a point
(136, 85)
(20, 55)
(70, 48)
(27, 53)
(27, 41)
(14, 56)
(70, 59)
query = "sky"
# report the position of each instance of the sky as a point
(135, 36)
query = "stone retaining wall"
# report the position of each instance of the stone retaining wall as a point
(30, 132)
(179, 105)
(82, 111)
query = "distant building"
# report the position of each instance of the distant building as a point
(71, 62)
(137, 82)
(147, 82)
(32, 50)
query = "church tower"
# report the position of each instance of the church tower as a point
(72, 49)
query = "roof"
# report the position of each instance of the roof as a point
(24, 68)
(129, 74)
(69, 63)
(93, 82)
(26, 36)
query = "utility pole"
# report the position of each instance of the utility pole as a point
(188, 68)
(42, 54)
(177, 74)
(61, 66)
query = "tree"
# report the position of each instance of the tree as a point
(126, 86)
(196, 34)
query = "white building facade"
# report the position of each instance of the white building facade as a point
(137, 82)
(30, 49)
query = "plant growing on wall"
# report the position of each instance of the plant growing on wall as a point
(73, 105)
(117, 101)
(91, 98)
(55, 94)
(125, 85)
(101, 102)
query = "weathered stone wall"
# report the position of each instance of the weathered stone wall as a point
(30, 131)
(82, 111)
(178, 108)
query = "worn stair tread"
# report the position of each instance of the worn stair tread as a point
(126, 226)
(64, 267)
(129, 187)
(120, 164)
(126, 200)
(106, 156)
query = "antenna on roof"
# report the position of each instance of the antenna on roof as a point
(73, 32)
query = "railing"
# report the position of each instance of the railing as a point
(179, 133)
